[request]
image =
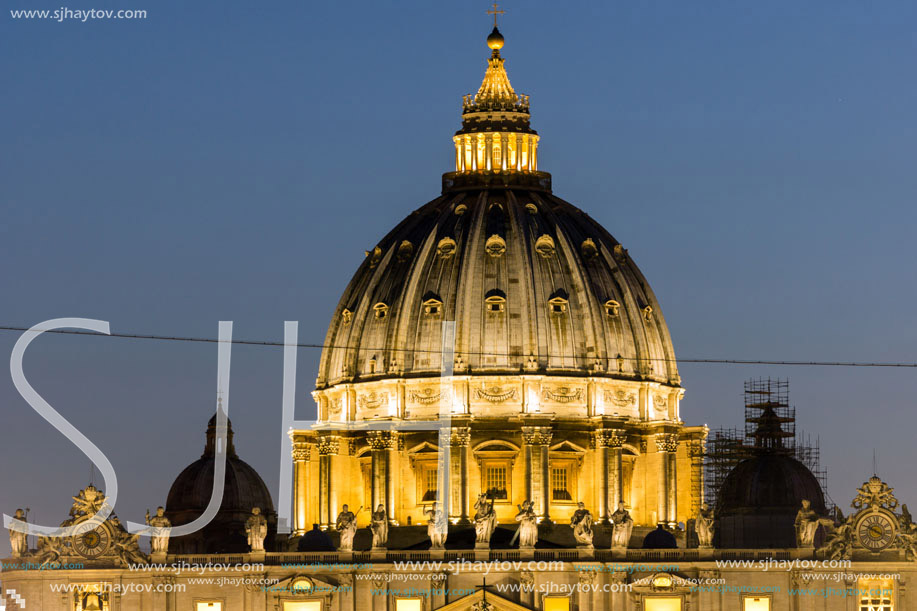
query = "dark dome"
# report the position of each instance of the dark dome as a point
(243, 490)
(660, 539)
(758, 501)
(769, 481)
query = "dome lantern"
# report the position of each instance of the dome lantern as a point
(495, 136)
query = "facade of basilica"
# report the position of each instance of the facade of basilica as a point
(499, 429)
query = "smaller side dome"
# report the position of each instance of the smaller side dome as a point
(243, 489)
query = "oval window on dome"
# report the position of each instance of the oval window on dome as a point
(495, 246)
(531, 208)
(589, 249)
(405, 250)
(544, 246)
(460, 209)
(648, 313)
(445, 248)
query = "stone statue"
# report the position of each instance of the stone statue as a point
(127, 546)
(379, 527)
(704, 526)
(623, 525)
(160, 527)
(581, 522)
(485, 519)
(437, 527)
(528, 525)
(346, 525)
(256, 529)
(49, 551)
(806, 524)
(19, 541)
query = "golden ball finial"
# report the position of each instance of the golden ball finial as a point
(495, 40)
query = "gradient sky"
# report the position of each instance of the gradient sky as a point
(232, 161)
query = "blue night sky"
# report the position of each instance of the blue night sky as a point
(232, 161)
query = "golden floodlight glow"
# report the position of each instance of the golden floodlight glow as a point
(756, 603)
(662, 603)
(556, 603)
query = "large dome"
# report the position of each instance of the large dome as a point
(533, 283)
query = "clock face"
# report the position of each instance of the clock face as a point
(875, 531)
(93, 543)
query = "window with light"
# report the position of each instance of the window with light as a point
(561, 480)
(662, 603)
(756, 603)
(495, 481)
(208, 605)
(556, 603)
(876, 595)
(429, 483)
(408, 604)
(303, 605)
(90, 597)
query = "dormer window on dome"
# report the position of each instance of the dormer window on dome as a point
(495, 301)
(544, 246)
(558, 305)
(432, 306)
(495, 246)
(380, 310)
(612, 307)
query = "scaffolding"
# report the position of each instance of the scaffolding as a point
(770, 425)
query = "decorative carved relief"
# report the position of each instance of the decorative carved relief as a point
(621, 398)
(495, 394)
(426, 396)
(660, 401)
(563, 394)
(334, 406)
(527, 578)
(372, 400)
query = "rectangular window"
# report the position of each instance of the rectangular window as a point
(90, 596)
(756, 603)
(304, 605)
(560, 488)
(556, 603)
(662, 603)
(429, 484)
(209, 605)
(876, 595)
(495, 481)
(408, 604)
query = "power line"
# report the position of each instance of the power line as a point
(209, 340)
